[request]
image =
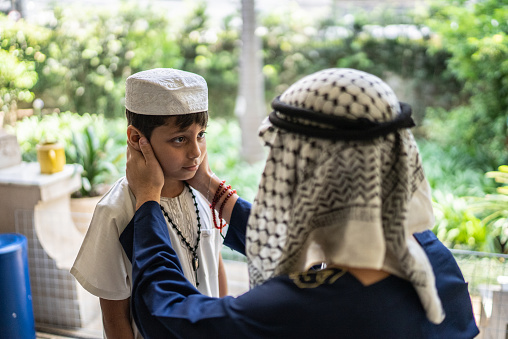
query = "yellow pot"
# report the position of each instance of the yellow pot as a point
(51, 157)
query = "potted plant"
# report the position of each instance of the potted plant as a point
(94, 143)
(101, 159)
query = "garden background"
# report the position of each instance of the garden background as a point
(64, 80)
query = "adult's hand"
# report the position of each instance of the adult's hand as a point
(207, 183)
(202, 180)
(144, 173)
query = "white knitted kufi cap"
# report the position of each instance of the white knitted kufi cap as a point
(166, 91)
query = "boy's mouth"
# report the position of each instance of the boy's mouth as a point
(191, 168)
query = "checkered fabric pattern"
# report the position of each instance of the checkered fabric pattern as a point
(338, 202)
(351, 94)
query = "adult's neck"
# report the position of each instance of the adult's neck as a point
(365, 275)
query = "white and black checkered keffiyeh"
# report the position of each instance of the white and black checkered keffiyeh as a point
(343, 184)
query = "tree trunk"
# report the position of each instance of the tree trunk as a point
(250, 103)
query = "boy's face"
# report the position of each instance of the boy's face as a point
(179, 151)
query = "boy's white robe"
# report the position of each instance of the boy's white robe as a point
(102, 267)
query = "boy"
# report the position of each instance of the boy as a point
(169, 107)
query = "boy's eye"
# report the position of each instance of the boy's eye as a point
(179, 139)
(201, 134)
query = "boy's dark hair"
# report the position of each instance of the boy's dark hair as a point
(147, 123)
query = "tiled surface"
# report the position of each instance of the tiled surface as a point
(54, 290)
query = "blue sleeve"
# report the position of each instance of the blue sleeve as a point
(147, 244)
(235, 238)
(163, 302)
(452, 289)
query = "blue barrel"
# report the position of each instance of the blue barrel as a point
(16, 312)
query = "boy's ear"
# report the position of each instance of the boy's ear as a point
(133, 136)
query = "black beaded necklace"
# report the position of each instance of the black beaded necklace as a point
(193, 250)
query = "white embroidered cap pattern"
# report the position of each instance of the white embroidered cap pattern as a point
(166, 91)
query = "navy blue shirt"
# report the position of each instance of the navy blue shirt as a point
(328, 303)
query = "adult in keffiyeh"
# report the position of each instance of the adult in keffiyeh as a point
(343, 184)
(337, 240)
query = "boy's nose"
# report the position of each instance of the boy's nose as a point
(194, 151)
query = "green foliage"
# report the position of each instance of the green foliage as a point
(20, 52)
(223, 138)
(16, 80)
(493, 209)
(213, 54)
(456, 226)
(98, 158)
(468, 131)
(500, 177)
(466, 218)
(381, 42)
(475, 35)
(80, 61)
(90, 55)
(452, 171)
(477, 223)
(53, 127)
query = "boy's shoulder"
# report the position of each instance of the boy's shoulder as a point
(118, 202)
(118, 193)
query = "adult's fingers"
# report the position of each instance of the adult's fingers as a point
(147, 151)
(132, 151)
(143, 172)
(201, 179)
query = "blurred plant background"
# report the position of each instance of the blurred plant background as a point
(449, 59)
